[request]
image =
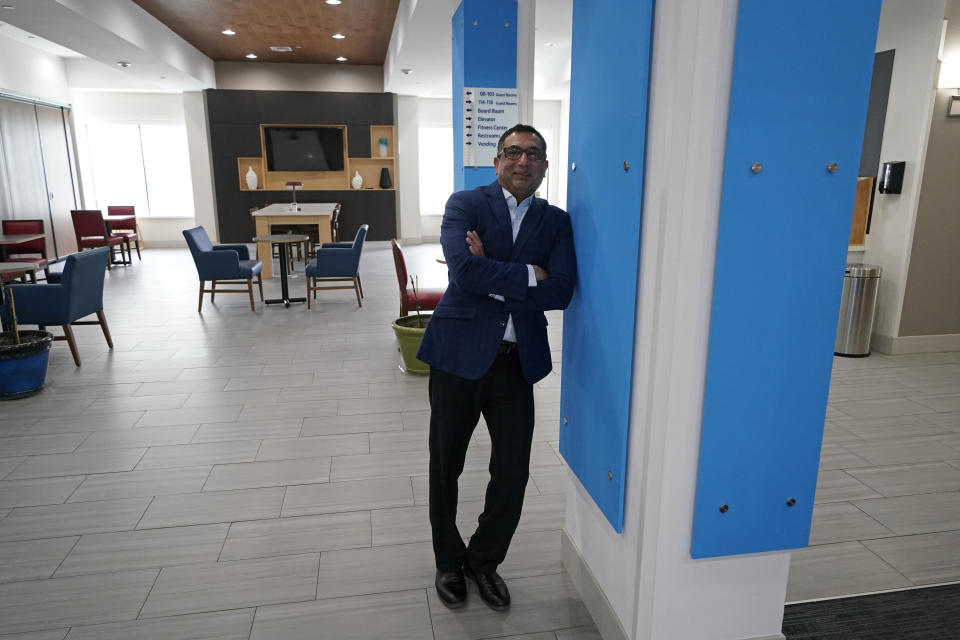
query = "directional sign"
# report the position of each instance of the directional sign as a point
(487, 113)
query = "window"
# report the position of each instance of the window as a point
(143, 165)
(436, 169)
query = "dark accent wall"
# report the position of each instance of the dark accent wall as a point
(234, 124)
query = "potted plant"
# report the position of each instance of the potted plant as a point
(409, 331)
(23, 357)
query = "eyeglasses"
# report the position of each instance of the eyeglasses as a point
(514, 152)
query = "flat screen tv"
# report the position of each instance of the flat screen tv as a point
(303, 148)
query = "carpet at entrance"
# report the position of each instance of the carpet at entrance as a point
(918, 614)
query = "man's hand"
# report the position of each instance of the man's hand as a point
(539, 273)
(475, 244)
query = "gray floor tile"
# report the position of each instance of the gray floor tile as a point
(274, 473)
(152, 548)
(207, 373)
(834, 456)
(886, 428)
(248, 430)
(33, 559)
(379, 569)
(226, 625)
(314, 446)
(925, 449)
(838, 485)
(94, 422)
(910, 479)
(211, 507)
(225, 398)
(360, 423)
(25, 523)
(393, 441)
(9, 464)
(914, 514)
(925, 559)
(379, 465)
(65, 602)
(284, 381)
(130, 484)
(37, 491)
(401, 525)
(173, 386)
(581, 633)
(217, 586)
(831, 570)
(384, 405)
(291, 410)
(402, 615)
(35, 445)
(326, 391)
(942, 403)
(134, 438)
(347, 496)
(52, 634)
(195, 455)
(135, 403)
(299, 535)
(196, 415)
(539, 604)
(880, 408)
(843, 522)
(72, 464)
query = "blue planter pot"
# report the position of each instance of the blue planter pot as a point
(23, 367)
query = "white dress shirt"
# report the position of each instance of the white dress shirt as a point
(517, 212)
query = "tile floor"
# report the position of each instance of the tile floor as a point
(263, 475)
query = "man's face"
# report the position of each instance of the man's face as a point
(522, 176)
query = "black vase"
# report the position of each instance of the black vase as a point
(385, 179)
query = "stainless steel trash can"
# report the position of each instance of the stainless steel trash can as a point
(857, 305)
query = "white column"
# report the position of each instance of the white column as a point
(526, 21)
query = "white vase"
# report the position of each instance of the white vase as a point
(251, 177)
(357, 180)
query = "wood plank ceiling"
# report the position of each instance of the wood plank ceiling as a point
(307, 26)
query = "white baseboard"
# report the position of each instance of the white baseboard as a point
(589, 589)
(897, 345)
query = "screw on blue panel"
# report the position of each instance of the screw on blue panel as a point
(791, 502)
(724, 508)
(609, 475)
(756, 167)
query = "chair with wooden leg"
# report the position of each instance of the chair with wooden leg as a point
(337, 262)
(126, 229)
(67, 297)
(223, 264)
(91, 231)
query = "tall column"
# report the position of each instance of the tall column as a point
(486, 100)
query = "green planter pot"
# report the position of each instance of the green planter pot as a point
(409, 330)
(23, 367)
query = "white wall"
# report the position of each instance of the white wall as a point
(28, 72)
(408, 171)
(279, 76)
(913, 29)
(123, 107)
(655, 589)
(201, 165)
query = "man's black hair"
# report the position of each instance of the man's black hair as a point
(520, 128)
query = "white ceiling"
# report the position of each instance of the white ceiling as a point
(96, 34)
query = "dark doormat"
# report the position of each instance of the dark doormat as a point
(918, 614)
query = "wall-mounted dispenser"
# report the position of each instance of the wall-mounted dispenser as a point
(891, 177)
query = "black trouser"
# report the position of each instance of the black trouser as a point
(505, 399)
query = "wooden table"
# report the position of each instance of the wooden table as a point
(318, 213)
(18, 268)
(284, 240)
(7, 239)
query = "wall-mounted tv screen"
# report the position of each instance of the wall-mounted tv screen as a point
(303, 148)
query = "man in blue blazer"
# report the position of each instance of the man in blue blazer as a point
(510, 258)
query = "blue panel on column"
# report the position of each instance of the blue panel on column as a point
(610, 65)
(484, 55)
(801, 78)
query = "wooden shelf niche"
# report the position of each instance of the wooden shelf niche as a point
(371, 167)
(244, 165)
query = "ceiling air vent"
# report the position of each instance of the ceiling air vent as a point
(281, 49)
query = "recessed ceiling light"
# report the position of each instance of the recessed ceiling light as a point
(406, 72)
(123, 63)
(229, 32)
(334, 2)
(251, 56)
(281, 48)
(341, 59)
(338, 36)
(10, 6)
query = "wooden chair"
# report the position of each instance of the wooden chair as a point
(32, 251)
(337, 262)
(126, 230)
(222, 264)
(428, 298)
(91, 231)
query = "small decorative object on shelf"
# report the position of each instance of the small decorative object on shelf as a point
(383, 147)
(385, 179)
(357, 181)
(251, 177)
(293, 185)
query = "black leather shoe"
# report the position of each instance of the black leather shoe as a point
(493, 590)
(452, 588)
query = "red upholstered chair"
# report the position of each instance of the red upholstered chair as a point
(91, 231)
(429, 298)
(33, 251)
(124, 229)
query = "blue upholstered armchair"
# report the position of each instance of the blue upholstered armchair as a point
(337, 262)
(223, 264)
(75, 293)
